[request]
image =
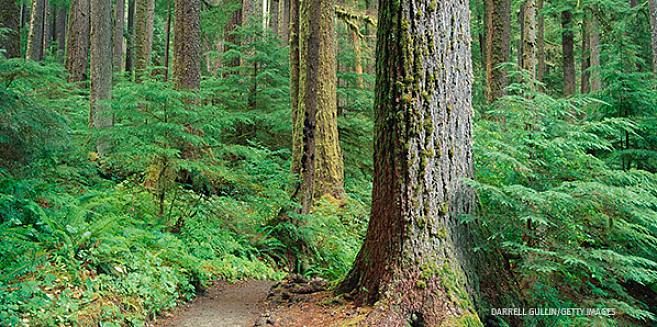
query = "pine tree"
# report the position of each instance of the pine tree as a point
(117, 37)
(568, 49)
(77, 40)
(187, 44)
(10, 14)
(144, 15)
(100, 69)
(35, 37)
(498, 51)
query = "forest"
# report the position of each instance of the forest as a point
(328, 163)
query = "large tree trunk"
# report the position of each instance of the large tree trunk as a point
(413, 260)
(60, 31)
(273, 16)
(322, 167)
(284, 21)
(596, 80)
(35, 37)
(187, 44)
(231, 39)
(100, 69)
(498, 51)
(653, 32)
(144, 14)
(568, 49)
(527, 56)
(117, 38)
(585, 79)
(130, 40)
(10, 16)
(77, 40)
(297, 127)
(358, 60)
(540, 41)
(48, 27)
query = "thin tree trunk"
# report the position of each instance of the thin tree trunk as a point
(60, 31)
(498, 47)
(10, 16)
(540, 41)
(412, 261)
(187, 44)
(284, 21)
(528, 52)
(25, 13)
(101, 69)
(273, 16)
(48, 27)
(130, 42)
(596, 80)
(653, 32)
(568, 49)
(117, 39)
(297, 127)
(35, 37)
(231, 39)
(77, 40)
(358, 61)
(585, 83)
(322, 167)
(144, 11)
(167, 42)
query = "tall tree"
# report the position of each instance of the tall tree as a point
(144, 15)
(322, 166)
(297, 127)
(77, 40)
(117, 38)
(596, 80)
(540, 40)
(130, 40)
(273, 16)
(412, 260)
(498, 50)
(653, 32)
(585, 78)
(284, 21)
(35, 37)
(10, 15)
(60, 30)
(187, 44)
(231, 39)
(568, 52)
(527, 56)
(100, 69)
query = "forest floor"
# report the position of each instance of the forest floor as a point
(246, 303)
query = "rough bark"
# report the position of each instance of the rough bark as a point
(25, 13)
(187, 44)
(167, 42)
(284, 21)
(297, 135)
(322, 167)
(568, 53)
(653, 32)
(100, 69)
(412, 260)
(585, 78)
(498, 50)
(596, 80)
(540, 41)
(10, 16)
(231, 39)
(358, 62)
(130, 40)
(273, 16)
(144, 14)
(60, 31)
(528, 50)
(48, 27)
(77, 40)
(117, 38)
(35, 37)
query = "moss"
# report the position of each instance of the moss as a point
(466, 320)
(433, 5)
(444, 209)
(450, 152)
(421, 284)
(441, 233)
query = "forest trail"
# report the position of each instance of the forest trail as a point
(224, 305)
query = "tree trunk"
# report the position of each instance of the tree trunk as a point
(596, 80)
(117, 39)
(528, 52)
(540, 41)
(322, 167)
(25, 13)
(187, 44)
(297, 126)
(231, 39)
(653, 32)
(284, 21)
(130, 41)
(10, 16)
(167, 42)
(498, 51)
(48, 27)
(35, 37)
(144, 11)
(568, 49)
(412, 260)
(358, 61)
(273, 16)
(60, 31)
(100, 69)
(585, 85)
(77, 40)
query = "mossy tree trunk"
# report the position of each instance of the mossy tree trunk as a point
(527, 58)
(231, 39)
(498, 46)
(60, 31)
(273, 16)
(35, 36)
(568, 52)
(652, 4)
(540, 40)
(284, 21)
(101, 70)
(585, 78)
(322, 167)
(130, 39)
(297, 135)
(77, 40)
(187, 44)
(144, 15)
(117, 38)
(413, 259)
(596, 79)
(10, 16)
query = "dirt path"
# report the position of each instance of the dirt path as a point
(224, 305)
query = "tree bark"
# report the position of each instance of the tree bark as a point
(284, 21)
(297, 127)
(101, 69)
(117, 39)
(358, 61)
(48, 27)
(60, 31)
(412, 260)
(130, 40)
(585, 79)
(528, 53)
(77, 40)
(498, 50)
(10, 16)
(36, 35)
(596, 80)
(653, 32)
(568, 49)
(540, 41)
(273, 16)
(322, 167)
(231, 39)
(144, 15)
(187, 44)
